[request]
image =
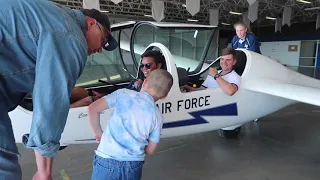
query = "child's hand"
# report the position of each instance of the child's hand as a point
(98, 136)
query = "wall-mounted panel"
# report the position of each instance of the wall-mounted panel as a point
(285, 52)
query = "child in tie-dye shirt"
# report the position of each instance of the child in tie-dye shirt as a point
(133, 129)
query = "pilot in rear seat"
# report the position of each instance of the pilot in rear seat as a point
(226, 78)
(151, 60)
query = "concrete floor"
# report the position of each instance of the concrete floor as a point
(281, 146)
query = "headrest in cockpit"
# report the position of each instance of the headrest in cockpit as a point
(241, 62)
(182, 76)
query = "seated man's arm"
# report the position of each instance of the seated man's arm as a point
(229, 88)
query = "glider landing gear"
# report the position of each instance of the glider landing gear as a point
(229, 134)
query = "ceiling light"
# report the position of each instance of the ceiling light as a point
(225, 24)
(312, 8)
(303, 1)
(104, 11)
(195, 34)
(183, 5)
(147, 15)
(194, 20)
(271, 18)
(237, 13)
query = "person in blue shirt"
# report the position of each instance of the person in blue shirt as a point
(133, 129)
(244, 39)
(43, 50)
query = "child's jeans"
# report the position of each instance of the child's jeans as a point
(110, 169)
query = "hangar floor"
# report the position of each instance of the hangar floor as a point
(281, 146)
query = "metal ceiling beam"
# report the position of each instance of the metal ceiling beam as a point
(175, 12)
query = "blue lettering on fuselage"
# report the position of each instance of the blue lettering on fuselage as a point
(185, 104)
(165, 107)
(193, 103)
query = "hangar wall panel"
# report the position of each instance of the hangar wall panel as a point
(285, 52)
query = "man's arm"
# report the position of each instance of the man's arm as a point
(227, 87)
(60, 60)
(94, 116)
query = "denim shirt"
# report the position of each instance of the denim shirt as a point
(43, 51)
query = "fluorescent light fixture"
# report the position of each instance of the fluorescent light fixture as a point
(147, 15)
(312, 8)
(303, 1)
(194, 20)
(271, 18)
(195, 34)
(104, 11)
(236, 13)
(225, 24)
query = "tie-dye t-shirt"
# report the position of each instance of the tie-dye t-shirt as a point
(134, 120)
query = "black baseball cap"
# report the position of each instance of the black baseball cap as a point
(104, 21)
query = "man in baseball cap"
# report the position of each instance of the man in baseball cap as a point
(44, 49)
(109, 43)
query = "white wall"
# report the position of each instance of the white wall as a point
(279, 52)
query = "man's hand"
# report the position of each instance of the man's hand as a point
(213, 72)
(44, 165)
(137, 83)
(97, 94)
(188, 88)
(93, 51)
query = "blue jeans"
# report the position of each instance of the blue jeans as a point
(9, 166)
(110, 169)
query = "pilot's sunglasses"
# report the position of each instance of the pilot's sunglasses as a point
(148, 65)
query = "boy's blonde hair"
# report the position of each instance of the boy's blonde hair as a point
(160, 81)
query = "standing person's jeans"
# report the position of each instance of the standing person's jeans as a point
(9, 166)
(9, 163)
(110, 169)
